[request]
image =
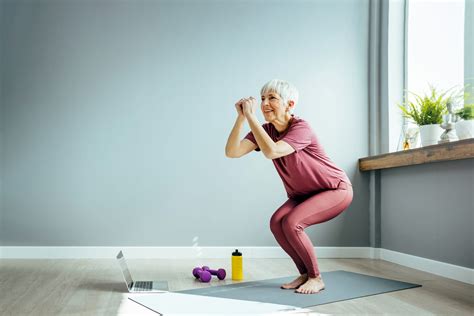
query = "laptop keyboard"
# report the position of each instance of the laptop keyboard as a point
(142, 286)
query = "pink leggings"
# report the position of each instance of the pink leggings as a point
(289, 221)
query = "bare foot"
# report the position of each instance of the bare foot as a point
(313, 285)
(296, 282)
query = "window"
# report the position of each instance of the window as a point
(435, 44)
(434, 49)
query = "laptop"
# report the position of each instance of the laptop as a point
(140, 286)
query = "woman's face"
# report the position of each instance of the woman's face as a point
(273, 107)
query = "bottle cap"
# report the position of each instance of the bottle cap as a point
(236, 253)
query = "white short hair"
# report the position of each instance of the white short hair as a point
(286, 90)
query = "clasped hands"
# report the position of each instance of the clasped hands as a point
(246, 107)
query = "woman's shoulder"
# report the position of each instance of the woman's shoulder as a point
(298, 121)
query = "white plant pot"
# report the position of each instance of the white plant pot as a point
(465, 129)
(430, 134)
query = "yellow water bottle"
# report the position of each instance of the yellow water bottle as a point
(237, 266)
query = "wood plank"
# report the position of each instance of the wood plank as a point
(462, 149)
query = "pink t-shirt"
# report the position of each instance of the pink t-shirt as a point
(308, 169)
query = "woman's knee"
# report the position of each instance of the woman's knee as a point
(277, 217)
(275, 224)
(290, 223)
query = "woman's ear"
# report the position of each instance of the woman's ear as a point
(291, 105)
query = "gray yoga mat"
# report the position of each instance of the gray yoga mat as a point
(340, 286)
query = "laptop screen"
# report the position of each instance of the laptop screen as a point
(126, 273)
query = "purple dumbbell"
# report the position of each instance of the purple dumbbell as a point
(220, 273)
(201, 274)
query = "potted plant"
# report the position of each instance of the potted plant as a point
(465, 127)
(427, 112)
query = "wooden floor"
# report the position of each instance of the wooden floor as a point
(95, 286)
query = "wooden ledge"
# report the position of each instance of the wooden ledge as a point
(462, 149)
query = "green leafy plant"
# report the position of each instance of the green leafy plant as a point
(428, 109)
(467, 112)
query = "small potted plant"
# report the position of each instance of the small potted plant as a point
(427, 112)
(465, 127)
(465, 123)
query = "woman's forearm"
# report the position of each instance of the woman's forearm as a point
(233, 142)
(265, 143)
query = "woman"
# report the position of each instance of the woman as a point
(317, 189)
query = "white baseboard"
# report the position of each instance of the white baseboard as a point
(443, 269)
(446, 270)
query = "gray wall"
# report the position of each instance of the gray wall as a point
(116, 115)
(427, 211)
